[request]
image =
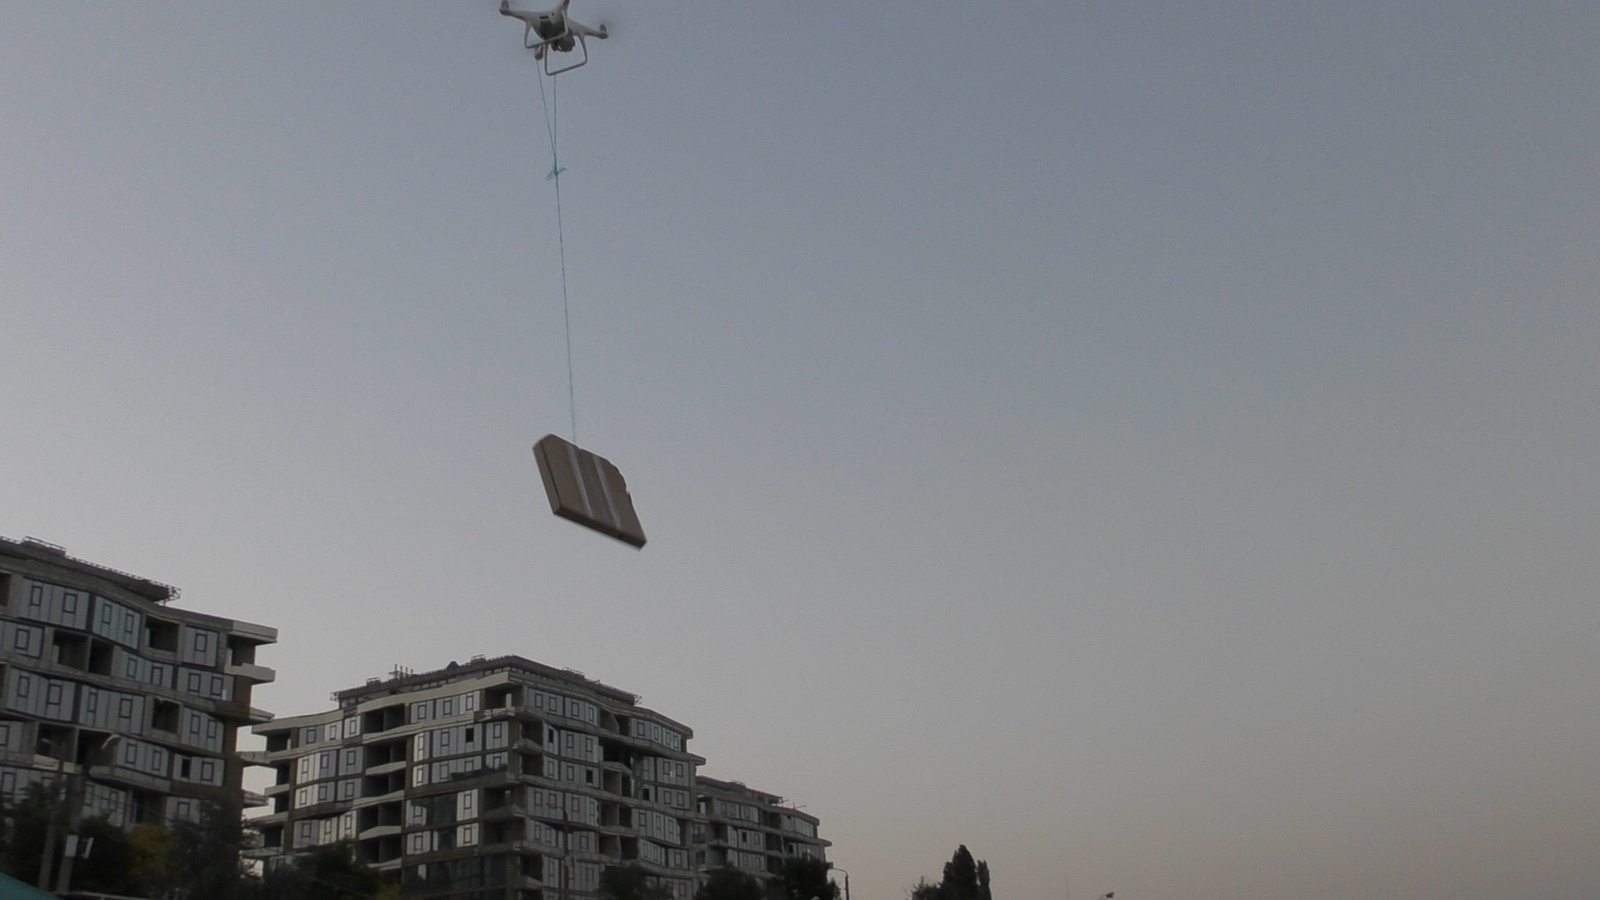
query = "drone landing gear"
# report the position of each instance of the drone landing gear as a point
(544, 50)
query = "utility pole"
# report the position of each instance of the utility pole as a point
(48, 856)
(76, 786)
(74, 808)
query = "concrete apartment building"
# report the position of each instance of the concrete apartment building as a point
(751, 830)
(507, 779)
(500, 778)
(102, 677)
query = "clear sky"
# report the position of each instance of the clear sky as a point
(1155, 445)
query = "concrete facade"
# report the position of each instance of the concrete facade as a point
(101, 677)
(750, 830)
(498, 779)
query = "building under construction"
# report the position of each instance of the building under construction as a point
(114, 696)
(508, 779)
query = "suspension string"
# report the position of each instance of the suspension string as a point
(552, 113)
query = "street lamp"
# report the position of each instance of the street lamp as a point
(835, 868)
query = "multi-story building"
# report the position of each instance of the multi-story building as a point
(751, 830)
(501, 778)
(106, 683)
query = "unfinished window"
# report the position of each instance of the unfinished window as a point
(71, 650)
(164, 716)
(101, 657)
(54, 742)
(240, 652)
(161, 635)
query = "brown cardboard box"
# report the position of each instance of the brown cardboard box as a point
(587, 489)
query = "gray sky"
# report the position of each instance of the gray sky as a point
(1157, 446)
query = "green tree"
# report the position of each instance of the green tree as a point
(329, 872)
(110, 866)
(728, 883)
(28, 819)
(150, 846)
(206, 856)
(806, 879)
(631, 883)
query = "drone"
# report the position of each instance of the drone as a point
(546, 33)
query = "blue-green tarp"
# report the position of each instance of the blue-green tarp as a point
(12, 889)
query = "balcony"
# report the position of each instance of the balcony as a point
(251, 671)
(398, 765)
(379, 831)
(380, 799)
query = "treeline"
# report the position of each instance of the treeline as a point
(800, 879)
(201, 860)
(205, 860)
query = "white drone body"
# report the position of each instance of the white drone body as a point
(551, 32)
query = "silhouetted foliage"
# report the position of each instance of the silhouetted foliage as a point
(960, 876)
(109, 868)
(150, 864)
(119, 862)
(206, 861)
(964, 879)
(806, 879)
(728, 883)
(200, 860)
(631, 883)
(25, 824)
(329, 872)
